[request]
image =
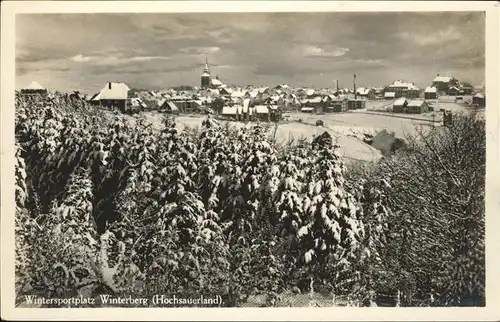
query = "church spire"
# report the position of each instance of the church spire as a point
(205, 77)
(206, 70)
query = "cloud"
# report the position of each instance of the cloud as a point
(114, 60)
(164, 49)
(199, 50)
(316, 51)
(449, 34)
(81, 59)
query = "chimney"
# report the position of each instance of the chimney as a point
(109, 85)
(355, 94)
(337, 86)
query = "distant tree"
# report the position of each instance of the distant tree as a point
(217, 105)
(183, 88)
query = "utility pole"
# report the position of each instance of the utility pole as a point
(355, 94)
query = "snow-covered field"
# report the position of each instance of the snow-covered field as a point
(348, 137)
(349, 129)
(356, 120)
(350, 147)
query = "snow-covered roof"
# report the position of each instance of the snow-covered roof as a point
(96, 97)
(310, 92)
(389, 94)
(137, 102)
(261, 109)
(363, 91)
(161, 101)
(316, 99)
(399, 83)
(246, 103)
(400, 101)
(227, 89)
(307, 109)
(180, 98)
(229, 110)
(479, 95)
(172, 106)
(34, 86)
(237, 94)
(442, 79)
(114, 91)
(416, 103)
(430, 89)
(216, 82)
(205, 74)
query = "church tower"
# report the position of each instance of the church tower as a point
(205, 77)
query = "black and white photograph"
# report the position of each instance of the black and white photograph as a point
(250, 159)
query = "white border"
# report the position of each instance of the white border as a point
(7, 205)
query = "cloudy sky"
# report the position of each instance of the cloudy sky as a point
(83, 51)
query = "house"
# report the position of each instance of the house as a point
(389, 95)
(336, 104)
(365, 92)
(34, 89)
(225, 91)
(417, 107)
(113, 95)
(137, 104)
(356, 104)
(403, 89)
(216, 82)
(262, 112)
(230, 111)
(430, 93)
(443, 83)
(316, 102)
(467, 89)
(246, 111)
(237, 97)
(454, 91)
(479, 100)
(400, 105)
(169, 107)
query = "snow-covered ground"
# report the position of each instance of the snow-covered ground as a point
(348, 137)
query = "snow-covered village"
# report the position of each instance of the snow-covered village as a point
(194, 154)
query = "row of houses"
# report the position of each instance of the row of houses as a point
(414, 106)
(246, 112)
(212, 99)
(448, 85)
